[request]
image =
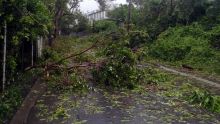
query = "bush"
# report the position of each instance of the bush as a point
(180, 43)
(176, 43)
(49, 54)
(187, 45)
(136, 38)
(105, 26)
(9, 101)
(215, 37)
(12, 97)
(205, 99)
(120, 70)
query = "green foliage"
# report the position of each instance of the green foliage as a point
(136, 38)
(74, 22)
(9, 101)
(67, 82)
(26, 20)
(213, 13)
(207, 100)
(120, 14)
(187, 45)
(215, 37)
(13, 96)
(120, 70)
(155, 76)
(50, 55)
(60, 112)
(105, 26)
(156, 16)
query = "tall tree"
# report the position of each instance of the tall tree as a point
(4, 57)
(26, 19)
(60, 8)
(129, 14)
(103, 4)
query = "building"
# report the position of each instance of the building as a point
(96, 16)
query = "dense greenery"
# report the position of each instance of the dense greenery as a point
(207, 100)
(26, 21)
(137, 38)
(10, 100)
(104, 26)
(189, 45)
(120, 14)
(182, 32)
(156, 16)
(74, 23)
(13, 96)
(120, 69)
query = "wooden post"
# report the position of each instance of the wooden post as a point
(129, 16)
(4, 57)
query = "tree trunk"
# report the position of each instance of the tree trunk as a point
(22, 55)
(32, 53)
(4, 57)
(57, 18)
(129, 16)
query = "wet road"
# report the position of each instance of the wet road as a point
(100, 106)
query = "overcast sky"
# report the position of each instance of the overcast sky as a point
(91, 5)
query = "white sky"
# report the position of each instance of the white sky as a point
(91, 5)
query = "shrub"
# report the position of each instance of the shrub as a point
(205, 99)
(187, 45)
(155, 76)
(49, 54)
(215, 37)
(136, 38)
(176, 43)
(105, 26)
(9, 101)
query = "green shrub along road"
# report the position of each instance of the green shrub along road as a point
(189, 45)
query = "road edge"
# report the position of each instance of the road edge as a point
(22, 114)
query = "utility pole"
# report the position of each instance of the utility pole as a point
(129, 15)
(4, 57)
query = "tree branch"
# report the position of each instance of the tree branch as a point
(63, 59)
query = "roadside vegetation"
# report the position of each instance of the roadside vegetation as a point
(188, 45)
(108, 76)
(13, 96)
(79, 58)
